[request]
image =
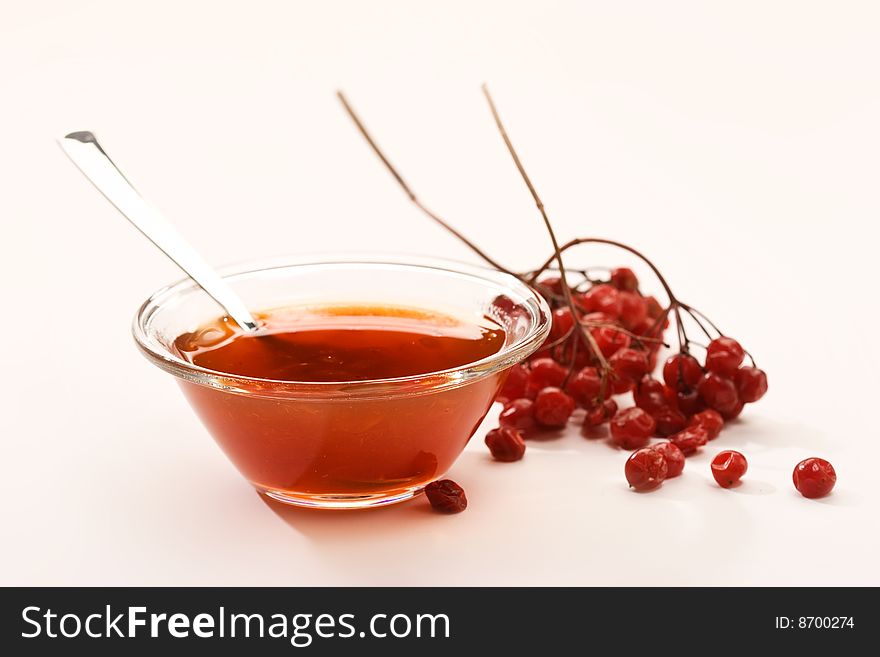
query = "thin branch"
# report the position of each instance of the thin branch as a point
(408, 190)
(538, 202)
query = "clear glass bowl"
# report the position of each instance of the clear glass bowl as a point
(347, 444)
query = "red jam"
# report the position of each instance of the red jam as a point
(338, 444)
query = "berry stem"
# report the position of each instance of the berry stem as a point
(557, 253)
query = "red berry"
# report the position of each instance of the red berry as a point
(515, 385)
(645, 469)
(651, 395)
(655, 310)
(562, 323)
(631, 428)
(710, 420)
(601, 298)
(446, 496)
(718, 392)
(728, 467)
(682, 371)
(553, 407)
(669, 421)
(733, 413)
(518, 414)
(610, 339)
(633, 309)
(751, 384)
(674, 458)
(724, 355)
(544, 372)
(629, 364)
(584, 386)
(601, 413)
(814, 477)
(506, 444)
(552, 284)
(689, 401)
(690, 439)
(624, 278)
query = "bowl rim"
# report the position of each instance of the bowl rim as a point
(536, 306)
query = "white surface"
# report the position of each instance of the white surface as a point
(738, 146)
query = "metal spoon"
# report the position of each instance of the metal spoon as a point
(86, 153)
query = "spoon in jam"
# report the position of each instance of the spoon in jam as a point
(86, 153)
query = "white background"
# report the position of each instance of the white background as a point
(736, 143)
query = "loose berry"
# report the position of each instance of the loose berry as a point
(515, 385)
(724, 355)
(518, 414)
(674, 458)
(669, 421)
(728, 467)
(631, 428)
(645, 469)
(506, 444)
(682, 371)
(624, 278)
(610, 339)
(710, 420)
(814, 477)
(544, 372)
(751, 384)
(689, 440)
(718, 392)
(629, 364)
(446, 496)
(601, 413)
(553, 407)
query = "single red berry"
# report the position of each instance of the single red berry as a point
(601, 298)
(674, 458)
(601, 413)
(645, 469)
(553, 407)
(584, 386)
(562, 323)
(814, 477)
(669, 421)
(631, 428)
(724, 355)
(710, 420)
(682, 371)
(689, 402)
(690, 439)
(610, 339)
(629, 364)
(751, 384)
(651, 395)
(544, 372)
(655, 310)
(446, 496)
(624, 278)
(733, 413)
(728, 467)
(518, 414)
(506, 444)
(514, 385)
(718, 392)
(633, 309)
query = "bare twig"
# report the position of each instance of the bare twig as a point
(408, 190)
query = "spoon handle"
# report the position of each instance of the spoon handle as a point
(86, 153)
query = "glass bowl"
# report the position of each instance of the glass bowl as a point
(346, 444)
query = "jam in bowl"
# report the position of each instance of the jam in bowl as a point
(367, 379)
